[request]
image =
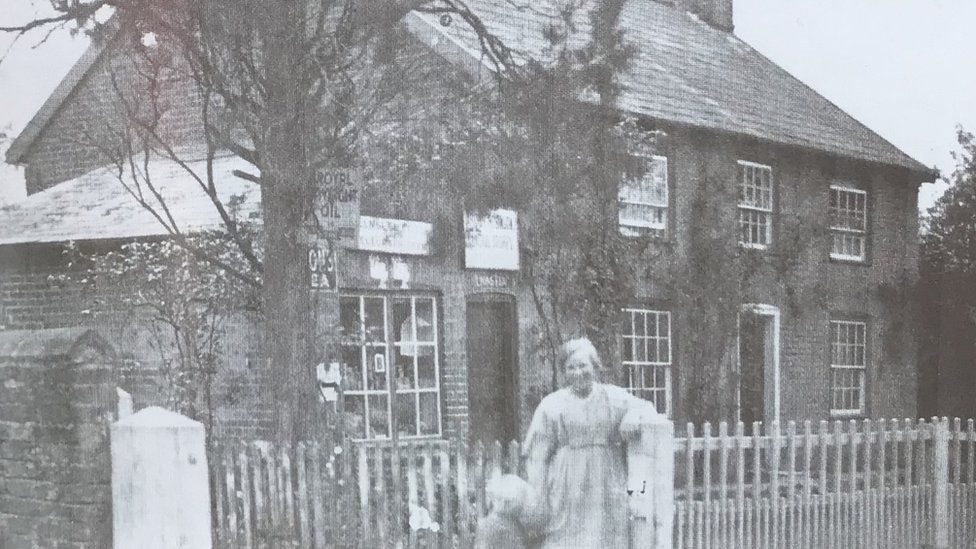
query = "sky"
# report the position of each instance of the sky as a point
(905, 68)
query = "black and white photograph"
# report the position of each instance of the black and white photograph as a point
(489, 274)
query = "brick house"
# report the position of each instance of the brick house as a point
(825, 206)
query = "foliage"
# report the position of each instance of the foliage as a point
(181, 301)
(949, 235)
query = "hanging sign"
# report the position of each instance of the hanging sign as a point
(323, 265)
(491, 241)
(336, 202)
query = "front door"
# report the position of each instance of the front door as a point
(492, 369)
(758, 365)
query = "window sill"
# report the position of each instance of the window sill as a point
(849, 260)
(425, 440)
(642, 231)
(847, 414)
(757, 247)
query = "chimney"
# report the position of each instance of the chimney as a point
(717, 13)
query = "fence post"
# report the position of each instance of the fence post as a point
(939, 468)
(160, 487)
(650, 485)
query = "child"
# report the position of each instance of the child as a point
(512, 501)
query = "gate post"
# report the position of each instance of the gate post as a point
(939, 467)
(160, 486)
(650, 485)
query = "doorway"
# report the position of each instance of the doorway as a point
(492, 368)
(758, 341)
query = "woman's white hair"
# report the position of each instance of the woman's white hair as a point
(580, 347)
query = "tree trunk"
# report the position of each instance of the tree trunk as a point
(285, 198)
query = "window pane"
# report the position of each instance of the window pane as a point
(375, 320)
(349, 318)
(425, 319)
(379, 417)
(407, 414)
(402, 320)
(627, 352)
(639, 328)
(405, 378)
(376, 368)
(429, 414)
(425, 367)
(355, 415)
(352, 372)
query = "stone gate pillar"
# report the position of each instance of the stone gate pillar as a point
(160, 484)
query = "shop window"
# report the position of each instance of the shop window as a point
(390, 347)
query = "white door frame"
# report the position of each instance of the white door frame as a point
(761, 309)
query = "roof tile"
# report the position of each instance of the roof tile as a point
(687, 72)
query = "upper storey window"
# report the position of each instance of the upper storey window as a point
(755, 205)
(848, 223)
(644, 200)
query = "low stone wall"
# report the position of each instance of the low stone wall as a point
(57, 398)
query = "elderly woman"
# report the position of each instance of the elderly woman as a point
(576, 454)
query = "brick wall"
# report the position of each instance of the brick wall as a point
(56, 401)
(814, 287)
(806, 294)
(82, 134)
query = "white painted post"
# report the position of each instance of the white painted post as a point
(125, 403)
(160, 486)
(650, 484)
(939, 464)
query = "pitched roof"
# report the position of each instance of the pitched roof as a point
(97, 206)
(687, 72)
(684, 71)
(22, 143)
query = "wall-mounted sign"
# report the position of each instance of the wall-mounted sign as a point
(486, 281)
(336, 202)
(394, 236)
(323, 265)
(491, 241)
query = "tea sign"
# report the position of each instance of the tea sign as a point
(323, 265)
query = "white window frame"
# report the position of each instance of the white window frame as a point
(751, 208)
(390, 344)
(860, 369)
(836, 230)
(662, 367)
(635, 227)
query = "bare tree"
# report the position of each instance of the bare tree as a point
(289, 87)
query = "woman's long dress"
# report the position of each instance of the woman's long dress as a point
(577, 461)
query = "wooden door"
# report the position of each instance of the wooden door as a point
(492, 370)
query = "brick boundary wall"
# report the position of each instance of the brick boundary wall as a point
(57, 399)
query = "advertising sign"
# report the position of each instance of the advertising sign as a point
(336, 202)
(491, 241)
(393, 236)
(323, 265)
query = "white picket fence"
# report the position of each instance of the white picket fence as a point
(846, 484)
(855, 484)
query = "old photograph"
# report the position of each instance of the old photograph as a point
(492, 274)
